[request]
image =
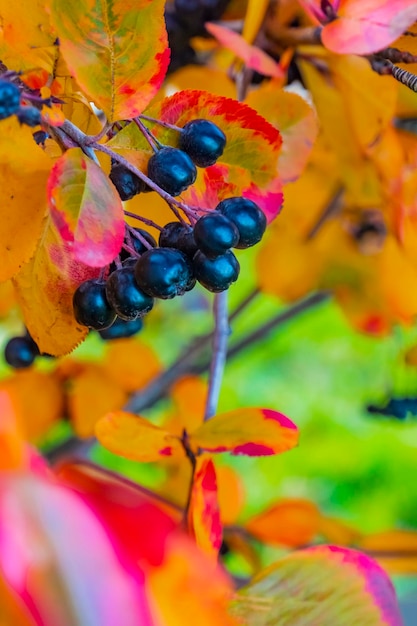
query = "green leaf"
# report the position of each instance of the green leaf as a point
(116, 49)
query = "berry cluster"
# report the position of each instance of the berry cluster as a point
(187, 252)
(185, 19)
(11, 104)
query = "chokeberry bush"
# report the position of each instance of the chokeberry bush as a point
(159, 159)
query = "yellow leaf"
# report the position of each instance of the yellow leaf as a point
(130, 363)
(135, 438)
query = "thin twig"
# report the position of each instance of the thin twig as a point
(152, 141)
(219, 353)
(161, 123)
(145, 220)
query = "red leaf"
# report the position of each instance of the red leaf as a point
(253, 57)
(204, 515)
(86, 209)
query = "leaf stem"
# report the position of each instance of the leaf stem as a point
(219, 353)
(161, 123)
(145, 220)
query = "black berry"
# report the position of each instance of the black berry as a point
(127, 184)
(172, 170)
(9, 99)
(91, 307)
(248, 218)
(125, 297)
(21, 352)
(164, 273)
(203, 141)
(216, 274)
(180, 236)
(122, 329)
(214, 234)
(137, 244)
(31, 116)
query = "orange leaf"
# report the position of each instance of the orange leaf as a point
(296, 121)
(86, 209)
(253, 57)
(189, 395)
(24, 172)
(38, 401)
(230, 494)
(130, 363)
(11, 443)
(45, 287)
(250, 431)
(203, 514)
(135, 438)
(91, 395)
(27, 38)
(117, 51)
(292, 523)
(337, 531)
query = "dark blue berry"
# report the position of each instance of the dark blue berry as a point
(31, 116)
(125, 297)
(248, 218)
(172, 170)
(122, 329)
(164, 273)
(203, 141)
(180, 236)
(216, 274)
(40, 137)
(137, 244)
(127, 184)
(214, 234)
(91, 307)
(9, 99)
(21, 352)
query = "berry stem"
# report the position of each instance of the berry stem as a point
(145, 220)
(152, 141)
(141, 238)
(96, 138)
(219, 355)
(161, 123)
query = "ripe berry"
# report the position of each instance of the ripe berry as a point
(164, 273)
(124, 295)
(21, 352)
(31, 116)
(214, 234)
(203, 141)
(247, 216)
(9, 99)
(91, 307)
(172, 170)
(216, 274)
(180, 236)
(126, 183)
(137, 244)
(122, 329)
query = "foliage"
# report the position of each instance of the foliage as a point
(319, 114)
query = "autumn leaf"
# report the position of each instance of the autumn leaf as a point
(27, 37)
(13, 452)
(45, 287)
(366, 27)
(323, 585)
(290, 522)
(248, 165)
(135, 438)
(92, 394)
(249, 431)
(38, 401)
(395, 550)
(296, 121)
(130, 363)
(253, 57)
(117, 51)
(86, 209)
(204, 513)
(24, 173)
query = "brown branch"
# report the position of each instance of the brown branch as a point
(293, 37)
